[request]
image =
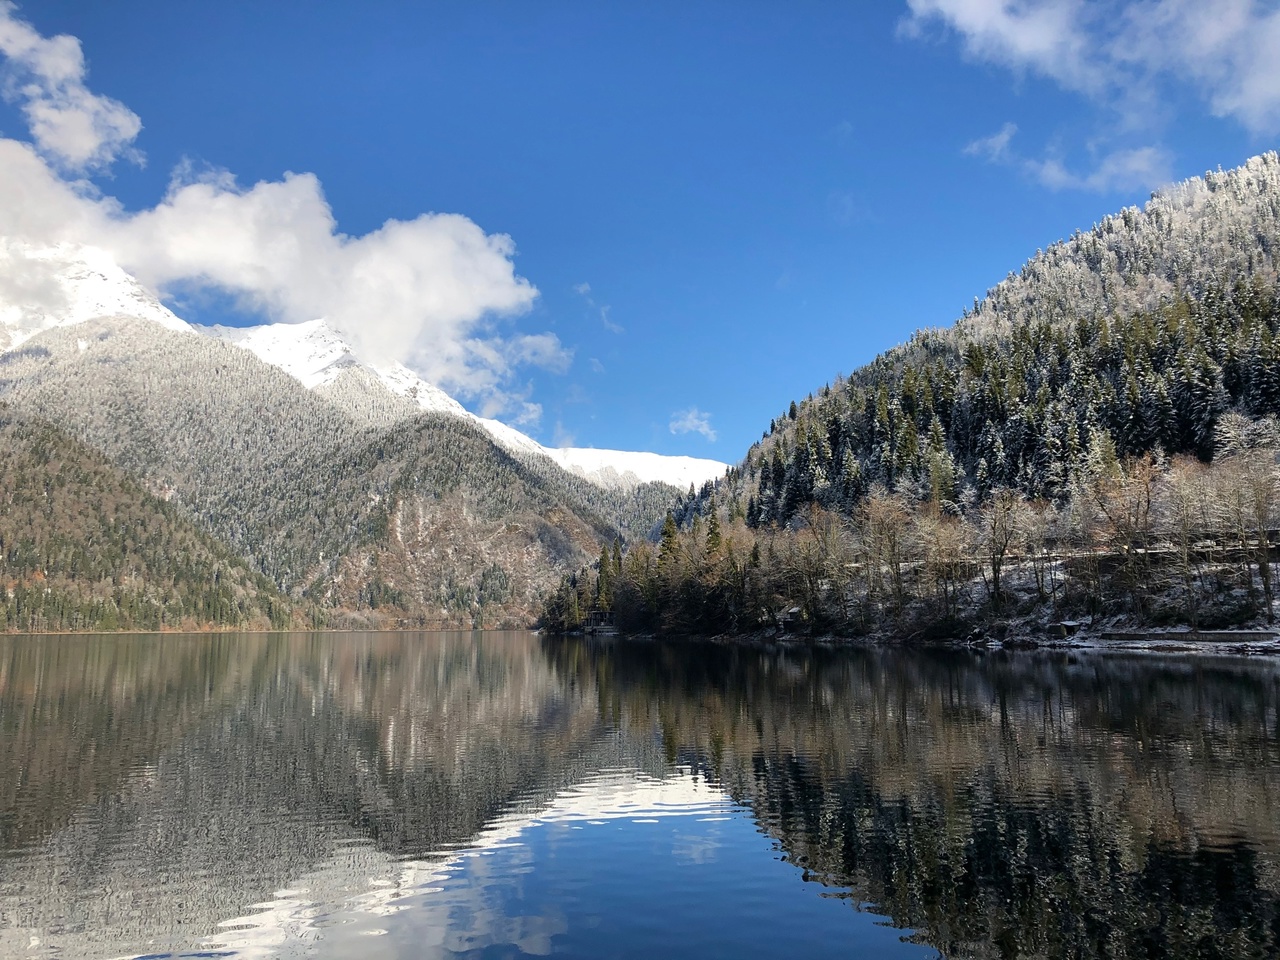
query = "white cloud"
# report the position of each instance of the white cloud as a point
(1140, 168)
(1231, 48)
(425, 291)
(692, 420)
(561, 437)
(528, 415)
(415, 290)
(1124, 169)
(77, 129)
(540, 350)
(1048, 36)
(842, 206)
(602, 309)
(608, 323)
(1122, 54)
(994, 148)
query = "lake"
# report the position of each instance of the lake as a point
(502, 794)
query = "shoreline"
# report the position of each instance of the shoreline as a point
(1251, 642)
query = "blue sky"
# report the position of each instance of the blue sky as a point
(720, 205)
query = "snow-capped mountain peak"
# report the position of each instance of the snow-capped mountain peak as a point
(315, 355)
(64, 284)
(309, 352)
(610, 468)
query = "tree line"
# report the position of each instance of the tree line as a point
(1163, 541)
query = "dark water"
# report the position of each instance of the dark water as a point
(499, 794)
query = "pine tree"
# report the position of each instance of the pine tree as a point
(669, 544)
(714, 538)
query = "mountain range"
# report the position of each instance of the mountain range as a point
(67, 284)
(361, 492)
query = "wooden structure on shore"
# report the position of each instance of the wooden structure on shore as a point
(600, 623)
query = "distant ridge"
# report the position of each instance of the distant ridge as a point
(321, 360)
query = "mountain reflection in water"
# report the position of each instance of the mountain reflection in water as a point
(500, 794)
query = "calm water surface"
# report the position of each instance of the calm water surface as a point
(501, 794)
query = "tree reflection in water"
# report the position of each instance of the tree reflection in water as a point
(1001, 805)
(1007, 805)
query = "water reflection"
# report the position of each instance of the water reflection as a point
(497, 794)
(1010, 805)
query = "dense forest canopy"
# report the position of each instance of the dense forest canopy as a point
(83, 546)
(1139, 333)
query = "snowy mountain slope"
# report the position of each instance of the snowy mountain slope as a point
(43, 287)
(626, 468)
(67, 284)
(318, 358)
(428, 516)
(309, 352)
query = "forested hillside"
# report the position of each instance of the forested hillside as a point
(446, 524)
(1093, 437)
(82, 546)
(358, 505)
(1140, 333)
